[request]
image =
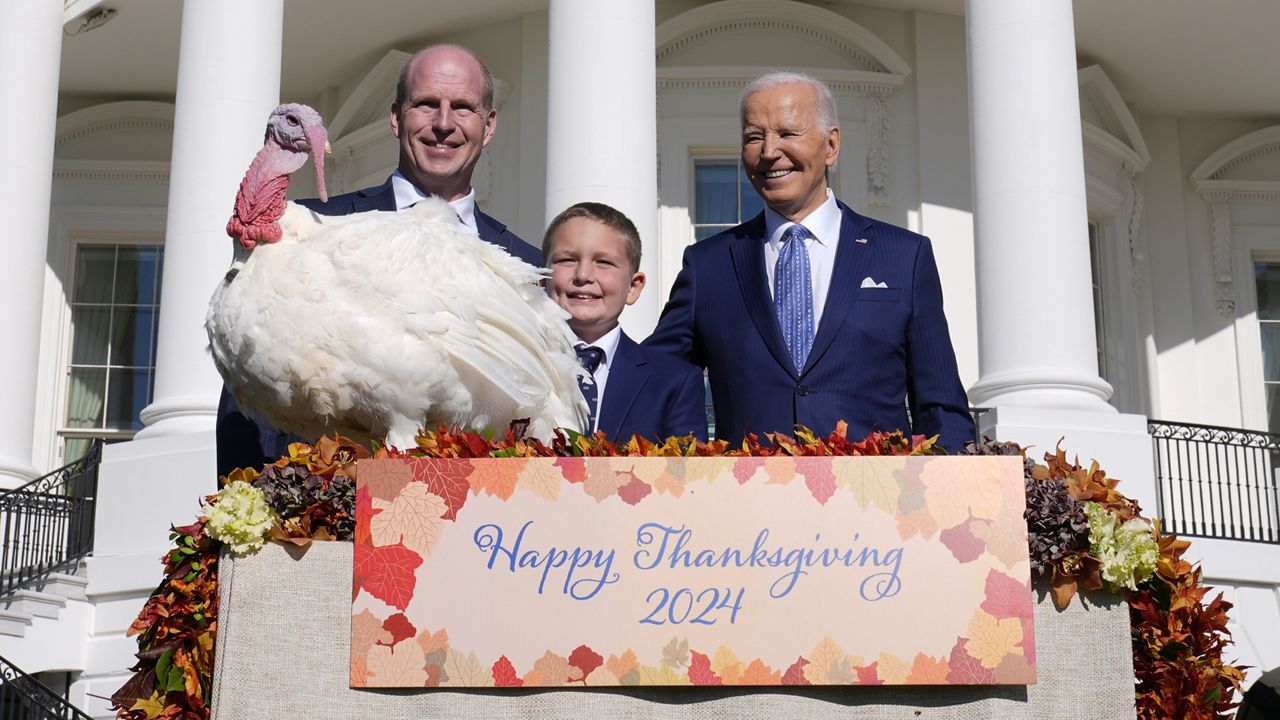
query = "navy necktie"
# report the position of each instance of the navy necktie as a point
(793, 295)
(590, 358)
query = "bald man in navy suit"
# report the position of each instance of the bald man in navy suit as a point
(810, 313)
(443, 116)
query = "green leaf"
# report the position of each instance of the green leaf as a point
(174, 682)
(164, 664)
(1212, 696)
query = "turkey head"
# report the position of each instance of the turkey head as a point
(294, 131)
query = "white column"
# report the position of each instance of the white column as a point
(1037, 345)
(602, 123)
(228, 83)
(30, 53)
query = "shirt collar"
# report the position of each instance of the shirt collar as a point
(608, 343)
(408, 194)
(823, 223)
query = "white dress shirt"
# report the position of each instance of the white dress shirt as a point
(823, 225)
(408, 195)
(609, 344)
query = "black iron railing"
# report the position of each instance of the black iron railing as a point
(23, 697)
(1217, 482)
(46, 526)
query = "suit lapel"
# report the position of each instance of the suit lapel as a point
(382, 197)
(747, 251)
(851, 260)
(627, 377)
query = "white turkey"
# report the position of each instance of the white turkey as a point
(377, 323)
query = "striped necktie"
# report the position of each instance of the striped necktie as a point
(590, 358)
(793, 294)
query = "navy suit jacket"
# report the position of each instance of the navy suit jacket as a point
(652, 394)
(876, 350)
(245, 441)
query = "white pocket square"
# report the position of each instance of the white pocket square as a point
(868, 282)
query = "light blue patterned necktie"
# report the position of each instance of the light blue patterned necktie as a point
(793, 294)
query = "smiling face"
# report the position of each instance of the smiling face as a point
(442, 124)
(785, 151)
(591, 276)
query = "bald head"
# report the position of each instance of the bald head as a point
(445, 53)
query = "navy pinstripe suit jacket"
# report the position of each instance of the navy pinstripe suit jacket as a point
(244, 441)
(876, 351)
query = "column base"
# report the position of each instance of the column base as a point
(1063, 389)
(15, 472)
(179, 416)
(1118, 441)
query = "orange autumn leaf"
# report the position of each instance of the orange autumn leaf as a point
(757, 673)
(927, 670)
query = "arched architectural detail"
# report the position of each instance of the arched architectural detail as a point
(115, 142)
(1231, 173)
(865, 51)
(372, 98)
(847, 56)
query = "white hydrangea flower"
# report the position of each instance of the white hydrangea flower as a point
(240, 517)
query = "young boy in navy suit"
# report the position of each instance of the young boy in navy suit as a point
(593, 251)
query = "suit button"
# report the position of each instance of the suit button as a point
(802, 390)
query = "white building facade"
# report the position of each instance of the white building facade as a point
(1101, 185)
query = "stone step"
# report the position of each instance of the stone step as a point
(35, 603)
(14, 623)
(69, 586)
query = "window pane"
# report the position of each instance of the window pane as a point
(94, 271)
(84, 401)
(127, 395)
(702, 233)
(1270, 350)
(1273, 407)
(1268, 278)
(131, 336)
(75, 448)
(715, 193)
(89, 326)
(752, 204)
(136, 276)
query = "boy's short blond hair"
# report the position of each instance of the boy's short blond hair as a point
(610, 216)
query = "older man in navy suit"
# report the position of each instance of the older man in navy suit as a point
(443, 116)
(811, 313)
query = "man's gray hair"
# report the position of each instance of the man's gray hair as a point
(402, 82)
(827, 118)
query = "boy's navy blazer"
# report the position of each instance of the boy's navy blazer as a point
(876, 350)
(652, 394)
(244, 441)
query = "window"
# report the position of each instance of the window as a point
(1099, 310)
(1267, 277)
(115, 302)
(722, 197)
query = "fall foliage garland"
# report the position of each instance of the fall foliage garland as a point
(1178, 640)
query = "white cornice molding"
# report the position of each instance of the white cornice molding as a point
(126, 115)
(1094, 82)
(111, 171)
(863, 49)
(1211, 174)
(1113, 147)
(375, 92)
(858, 82)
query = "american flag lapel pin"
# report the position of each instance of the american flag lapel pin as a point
(861, 241)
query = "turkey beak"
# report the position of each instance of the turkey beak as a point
(318, 137)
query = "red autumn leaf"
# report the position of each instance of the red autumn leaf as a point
(700, 672)
(869, 675)
(635, 491)
(385, 478)
(1006, 597)
(364, 517)
(399, 627)
(744, 468)
(817, 477)
(962, 543)
(585, 659)
(795, 674)
(446, 478)
(574, 469)
(965, 669)
(504, 674)
(387, 573)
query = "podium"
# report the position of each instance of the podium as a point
(283, 652)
